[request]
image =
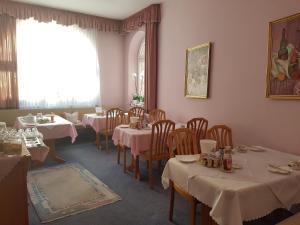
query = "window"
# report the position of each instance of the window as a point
(57, 65)
(141, 68)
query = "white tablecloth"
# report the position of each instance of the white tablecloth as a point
(59, 129)
(243, 195)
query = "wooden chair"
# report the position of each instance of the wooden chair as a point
(222, 134)
(156, 115)
(159, 146)
(136, 111)
(199, 126)
(114, 117)
(182, 141)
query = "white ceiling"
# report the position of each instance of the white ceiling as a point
(116, 9)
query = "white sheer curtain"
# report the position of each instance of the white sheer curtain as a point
(58, 65)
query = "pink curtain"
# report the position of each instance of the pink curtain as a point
(150, 17)
(151, 14)
(151, 66)
(8, 63)
(45, 14)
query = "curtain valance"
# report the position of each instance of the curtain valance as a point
(46, 14)
(151, 14)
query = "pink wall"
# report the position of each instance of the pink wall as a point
(239, 32)
(111, 48)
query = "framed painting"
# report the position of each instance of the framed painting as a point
(283, 72)
(197, 71)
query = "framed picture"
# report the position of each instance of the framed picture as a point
(197, 71)
(283, 72)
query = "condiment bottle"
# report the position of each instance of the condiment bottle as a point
(227, 160)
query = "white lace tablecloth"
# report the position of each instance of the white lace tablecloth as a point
(59, 129)
(98, 123)
(246, 194)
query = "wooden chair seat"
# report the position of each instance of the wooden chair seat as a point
(108, 132)
(146, 156)
(158, 148)
(293, 220)
(182, 141)
(114, 117)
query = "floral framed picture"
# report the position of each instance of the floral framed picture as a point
(197, 71)
(283, 72)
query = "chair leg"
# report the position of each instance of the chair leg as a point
(150, 175)
(119, 153)
(159, 165)
(124, 166)
(106, 140)
(137, 168)
(172, 195)
(193, 211)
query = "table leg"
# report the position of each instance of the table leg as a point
(205, 217)
(137, 173)
(132, 165)
(98, 140)
(52, 152)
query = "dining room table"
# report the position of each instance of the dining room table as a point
(51, 131)
(260, 182)
(97, 122)
(138, 140)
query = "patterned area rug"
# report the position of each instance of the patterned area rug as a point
(66, 190)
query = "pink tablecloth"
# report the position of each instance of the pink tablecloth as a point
(59, 129)
(98, 123)
(137, 140)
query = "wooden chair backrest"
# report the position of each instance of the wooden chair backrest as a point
(136, 111)
(222, 134)
(157, 115)
(199, 126)
(114, 117)
(182, 141)
(159, 137)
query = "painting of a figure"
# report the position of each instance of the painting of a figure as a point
(283, 74)
(197, 71)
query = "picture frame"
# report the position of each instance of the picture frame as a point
(197, 71)
(283, 69)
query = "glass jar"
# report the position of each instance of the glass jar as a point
(227, 160)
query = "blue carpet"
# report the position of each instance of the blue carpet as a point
(139, 204)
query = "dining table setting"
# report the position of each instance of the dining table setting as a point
(258, 181)
(51, 127)
(137, 138)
